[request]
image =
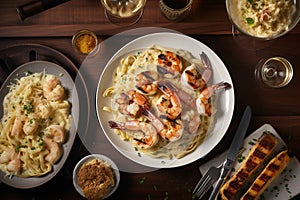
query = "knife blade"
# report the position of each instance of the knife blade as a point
(233, 150)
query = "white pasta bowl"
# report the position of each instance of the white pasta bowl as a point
(264, 21)
(104, 159)
(224, 103)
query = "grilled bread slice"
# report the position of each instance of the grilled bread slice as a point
(270, 172)
(261, 152)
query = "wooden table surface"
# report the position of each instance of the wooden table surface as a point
(209, 24)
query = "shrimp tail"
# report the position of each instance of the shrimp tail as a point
(115, 125)
(207, 73)
(156, 122)
(205, 60)
(222, 85)
(183, 96)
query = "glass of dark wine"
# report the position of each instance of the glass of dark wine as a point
(175, 10)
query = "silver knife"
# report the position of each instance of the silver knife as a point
(233, 150)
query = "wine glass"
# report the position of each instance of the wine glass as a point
(275, 72)
(123, 12)
(256, 23)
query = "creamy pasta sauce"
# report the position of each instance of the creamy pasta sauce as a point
(34, 125)
(125, 79)
(263, 18)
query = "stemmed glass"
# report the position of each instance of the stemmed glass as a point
(255, 24)
(125, 12)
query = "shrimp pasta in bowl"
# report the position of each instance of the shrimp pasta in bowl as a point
(36, 123)
(162, 101)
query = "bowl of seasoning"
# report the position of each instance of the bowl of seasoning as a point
(85, 42)
(96, 177)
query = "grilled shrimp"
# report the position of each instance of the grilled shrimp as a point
(173, 129)
(52, 88)
(202, 102)
(169, 103)
(193, 78)
(131, 103)
(147, 82)
(144, 134)
(169, 64)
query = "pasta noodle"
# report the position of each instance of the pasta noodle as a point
(124, 79)
(34, 125)
(264, 18)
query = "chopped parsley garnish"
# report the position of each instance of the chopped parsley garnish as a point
(41, 144)
(142, 180)
(40, 141)
(17, 149)
(27, 73)
(29, 108)
(166, 196)
(250, 21)
(240, 158)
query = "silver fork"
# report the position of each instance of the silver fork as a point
(207, 180)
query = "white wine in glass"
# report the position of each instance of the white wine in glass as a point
(123, 11)
(275, 72)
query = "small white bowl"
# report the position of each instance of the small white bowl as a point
(99, 157)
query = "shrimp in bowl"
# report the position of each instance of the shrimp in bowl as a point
(174, 111)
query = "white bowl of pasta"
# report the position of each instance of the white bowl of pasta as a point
(264, 19)
(159, 149)
(96, 177)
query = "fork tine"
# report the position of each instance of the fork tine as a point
(200, 183)
(205, 187)
(206, 181)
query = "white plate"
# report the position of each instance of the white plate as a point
(225, 102)
(286, 185)
(104, 159)
(67, 82)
